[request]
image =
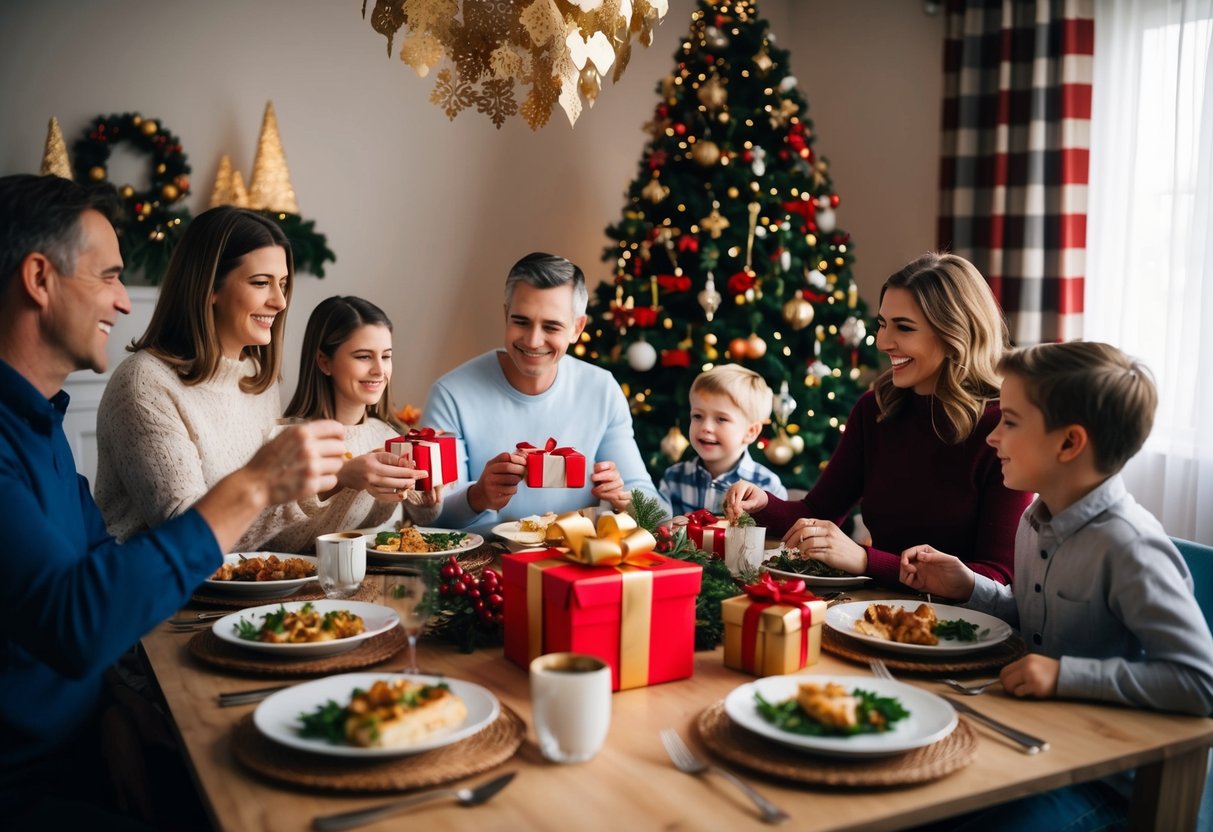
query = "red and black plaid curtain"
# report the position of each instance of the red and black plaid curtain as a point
(1013, 177)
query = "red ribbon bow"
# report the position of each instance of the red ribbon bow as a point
(701, 517)
(769, 593)
(549, 447)
(422, 435)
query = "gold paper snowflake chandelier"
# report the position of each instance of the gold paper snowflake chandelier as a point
(557, 50)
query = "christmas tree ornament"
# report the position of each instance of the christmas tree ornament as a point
(826, 220)
(715, 38)
(229, 186)
(642, 356)
(739, 348)
(759, 163)
(712, 94)
(755, 346)
(853, 331)
(54, 153)
(709, 298)
(674, 444)
(816, 278)
(655, 192)
(783, 405)
(785, 260)
(779, 450)
(797, 443)
(798, 312)
(705, 153)
(787, 84)
(715, 222)
(763, 61)
(269, 187)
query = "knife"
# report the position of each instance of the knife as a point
(1031, 744)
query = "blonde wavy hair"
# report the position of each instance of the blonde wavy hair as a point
(959, 306)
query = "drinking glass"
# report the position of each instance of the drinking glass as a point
(282, 424)
(411, 594)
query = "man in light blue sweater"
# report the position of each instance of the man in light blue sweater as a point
(527, 392)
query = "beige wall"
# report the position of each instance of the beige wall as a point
(425, 214)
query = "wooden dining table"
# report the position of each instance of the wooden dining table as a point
(631, 784)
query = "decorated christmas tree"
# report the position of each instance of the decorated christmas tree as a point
(728, 251)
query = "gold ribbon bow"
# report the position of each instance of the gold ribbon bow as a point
(616, 540)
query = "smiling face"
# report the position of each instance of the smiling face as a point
(83, 307)
(539, 327)
(913, 346)
(719, 431)
(252, 295)
(360, 371)
(1028, 452)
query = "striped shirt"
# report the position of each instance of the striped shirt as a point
(690, 486)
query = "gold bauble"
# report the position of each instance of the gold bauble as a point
(705, 153)
(149, 127)
(96, 173)
(127, 192)
(733, 192)
(136, 119)
(170, 192)
(798, 312)
(710, 353)
(780, 450)
(674, 444)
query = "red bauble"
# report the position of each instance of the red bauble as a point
(662, 111)
(756, 347)
(783, 155)
(747, 156)
(739, 348)
(834, 200)
(675, 358)
(740, 282)
(680, 128)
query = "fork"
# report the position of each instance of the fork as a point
(879, 670)
(969, 690)
(686, 761)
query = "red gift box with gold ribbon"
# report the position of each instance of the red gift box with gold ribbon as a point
(432, 451)
(774, 629)
(603, 592)
(553, 467)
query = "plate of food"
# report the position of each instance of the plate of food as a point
(261, 574)
(789, 566)
(841, 716)
(305, 629)
(413, 542)
(527, 533)
(375, 714)
(902, 626)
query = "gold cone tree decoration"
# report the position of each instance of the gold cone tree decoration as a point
(229, 186)
(269, 187)
(54, 156)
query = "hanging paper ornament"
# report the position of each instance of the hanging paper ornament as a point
(673, 445)
(816, 279)
(798, 312)
(705, 153)
(755, 346)
(853, 331)
(739, 348)
(642, 357)
(826, 220)
(779, 450)
(784, 405)
(709, 298)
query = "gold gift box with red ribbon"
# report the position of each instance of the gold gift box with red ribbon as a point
(774, 629)
(432, 451)
(600, 589)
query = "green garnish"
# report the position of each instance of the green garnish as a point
(959, 629)
(441, 541)
(786, 562)
(327, 722)
(247, 630)
(744, 520)
(788, 716)
(387, 538)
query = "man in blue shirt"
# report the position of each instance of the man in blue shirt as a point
(530, 391)
(74, 599)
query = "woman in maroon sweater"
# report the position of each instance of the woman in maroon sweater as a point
(914, 453)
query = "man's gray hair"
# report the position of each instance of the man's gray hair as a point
(548, 271)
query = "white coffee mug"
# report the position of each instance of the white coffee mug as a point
(341, 563)
(571, 705)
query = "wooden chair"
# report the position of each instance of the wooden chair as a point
(1199, 558)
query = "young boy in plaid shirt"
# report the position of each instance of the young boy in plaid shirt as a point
(728, 407)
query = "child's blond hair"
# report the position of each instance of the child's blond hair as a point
(1090, 384)
(745, 388)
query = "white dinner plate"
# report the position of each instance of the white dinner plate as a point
(258, 589)
(472, 541)
(843, 617)
(375, 617)
(517, 539)
(278, 716)
(931, 717)
(819, 580)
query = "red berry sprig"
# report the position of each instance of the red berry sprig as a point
(475, 606)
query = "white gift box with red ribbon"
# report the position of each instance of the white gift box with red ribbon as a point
(430, 451)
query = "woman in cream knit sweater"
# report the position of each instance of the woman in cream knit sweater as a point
(200, 394)
(345, 373)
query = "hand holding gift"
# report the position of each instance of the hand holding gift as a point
(553, 467)
(498, 482)
(430, 451)
(385, 476)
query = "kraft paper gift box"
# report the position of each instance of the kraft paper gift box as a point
(431, 451)
(774, 629)
(638, 618)
(740, 547)
(553, 467)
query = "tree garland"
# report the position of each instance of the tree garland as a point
(149, 228)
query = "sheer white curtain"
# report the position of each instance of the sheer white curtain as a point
(1150, 258)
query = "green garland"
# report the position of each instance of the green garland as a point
(149, 227)
(308, 246)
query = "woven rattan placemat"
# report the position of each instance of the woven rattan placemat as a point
(309, 592)
(483, 750)
(731, 742)
(995, 658)
(207, 648)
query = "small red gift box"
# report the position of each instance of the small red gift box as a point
(431, 451)
(740, 547)
(774, 629)
(639, 619)
(552, 467)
